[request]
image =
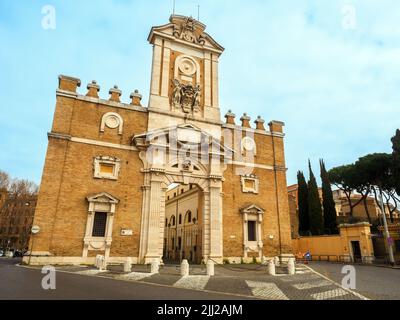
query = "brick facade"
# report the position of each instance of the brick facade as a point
(87, 129)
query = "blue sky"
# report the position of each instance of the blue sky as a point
(337, 89)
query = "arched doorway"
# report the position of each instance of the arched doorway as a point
(170, 158)
(183, 227)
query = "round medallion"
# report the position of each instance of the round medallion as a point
(112, 122)
(187, 66)
(248, 144)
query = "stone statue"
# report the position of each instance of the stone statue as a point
(177, 94)
(196, 106)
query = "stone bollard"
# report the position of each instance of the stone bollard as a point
(101, 263)
(128, 265)
(184, 268)
(291, 266)
(210, 268)
(155, 267)
(271, 267)
(276, 261)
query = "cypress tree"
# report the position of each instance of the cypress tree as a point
(327, 202)
(304, 221)
(314, 206)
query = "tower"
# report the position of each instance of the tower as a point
(184, 77)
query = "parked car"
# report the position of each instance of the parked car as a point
(1, 253)
(9, 254)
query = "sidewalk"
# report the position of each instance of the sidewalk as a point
(243, 280)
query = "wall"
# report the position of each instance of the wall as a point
(272, 196)
(68, 176)
(338, 247)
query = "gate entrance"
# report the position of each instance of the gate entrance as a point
(355, 245)
(183, 227)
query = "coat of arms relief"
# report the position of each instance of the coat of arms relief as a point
(186, 97)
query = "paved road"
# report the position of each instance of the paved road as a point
(372, 282)
(18, 283)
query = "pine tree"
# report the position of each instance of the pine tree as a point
(328, 203)
(304, 221)
(314, 206)
(396, 160)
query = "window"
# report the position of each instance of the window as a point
(250, 184)
(180, 219)
(179, 243)
(166, 222)
(189, 214)
(251, 228)
(99, 224)
(173, 221)
(106, 167)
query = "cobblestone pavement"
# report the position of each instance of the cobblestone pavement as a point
(243, 280)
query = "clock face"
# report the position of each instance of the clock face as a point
(248, 144)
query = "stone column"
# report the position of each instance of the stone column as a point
(215, 203)
(165, 82)
(156, 66)
(154, 215)
(144, 223)
(207, 80)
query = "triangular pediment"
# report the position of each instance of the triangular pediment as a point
(186, 30)
(103, 197)
(184, 134)
(252, 209)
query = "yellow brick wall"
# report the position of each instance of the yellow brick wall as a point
(67, 180)
(234, 200)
